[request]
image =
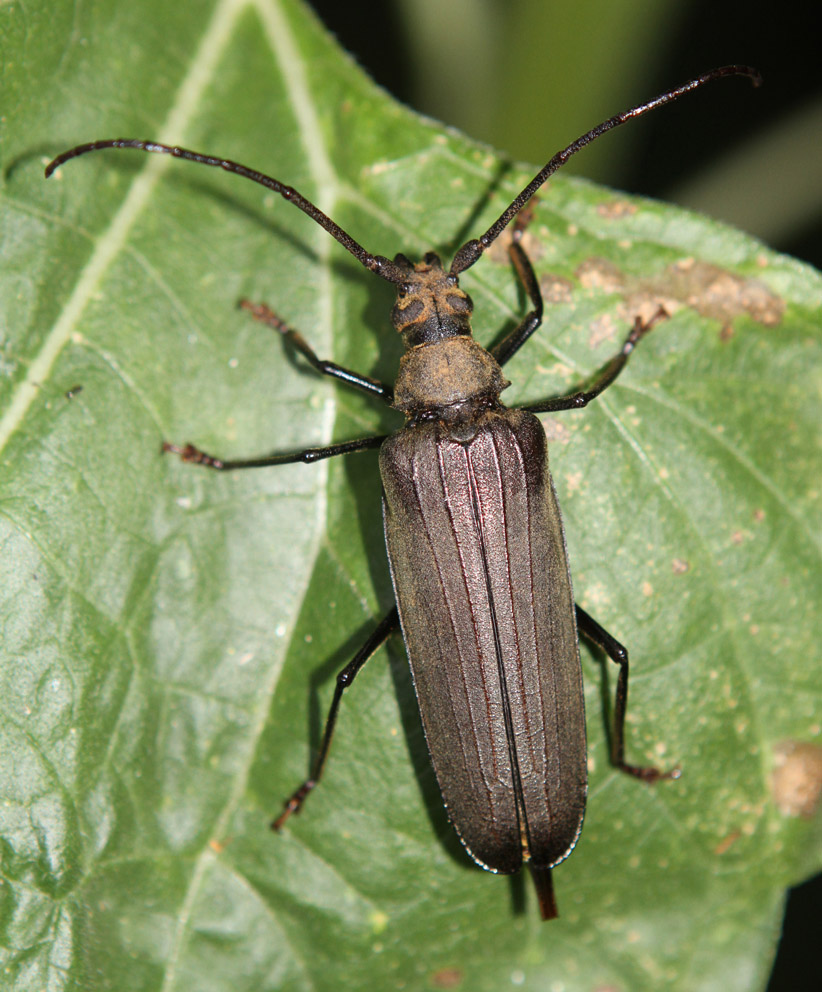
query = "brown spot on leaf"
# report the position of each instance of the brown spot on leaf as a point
(614, 209)
(796, 781)
(715, 292)
(556, 289)
(727, 842)
(447, 978)
(556, 431)
(603, 328)
(599, 273)
(710, 290)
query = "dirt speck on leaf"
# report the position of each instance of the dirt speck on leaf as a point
(447, 978)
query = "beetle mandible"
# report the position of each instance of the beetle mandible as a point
(475, 544)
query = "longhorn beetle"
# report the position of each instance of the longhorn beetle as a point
(475, 544)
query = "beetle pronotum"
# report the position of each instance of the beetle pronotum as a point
(475, 544)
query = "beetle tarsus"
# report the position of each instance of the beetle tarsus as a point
(650, 774)
(293, 804)
(642, 327)
(191, 455)
(264, 313)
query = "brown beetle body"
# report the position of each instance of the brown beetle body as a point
(481, 578)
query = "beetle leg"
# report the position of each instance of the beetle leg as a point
(517, 338)
(619, 654)
(609, 372)
(294, 803)
(188, 453)
(263, 313)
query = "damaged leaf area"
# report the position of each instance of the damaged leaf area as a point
(171, 635)
(709, 290)
(797, 778)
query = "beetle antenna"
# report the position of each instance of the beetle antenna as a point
(472, 250)
(375, 263)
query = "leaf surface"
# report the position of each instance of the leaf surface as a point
(170, 635)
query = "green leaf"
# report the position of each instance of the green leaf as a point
(170, 635)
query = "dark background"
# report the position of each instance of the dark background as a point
(536, 73)
(528, 76)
